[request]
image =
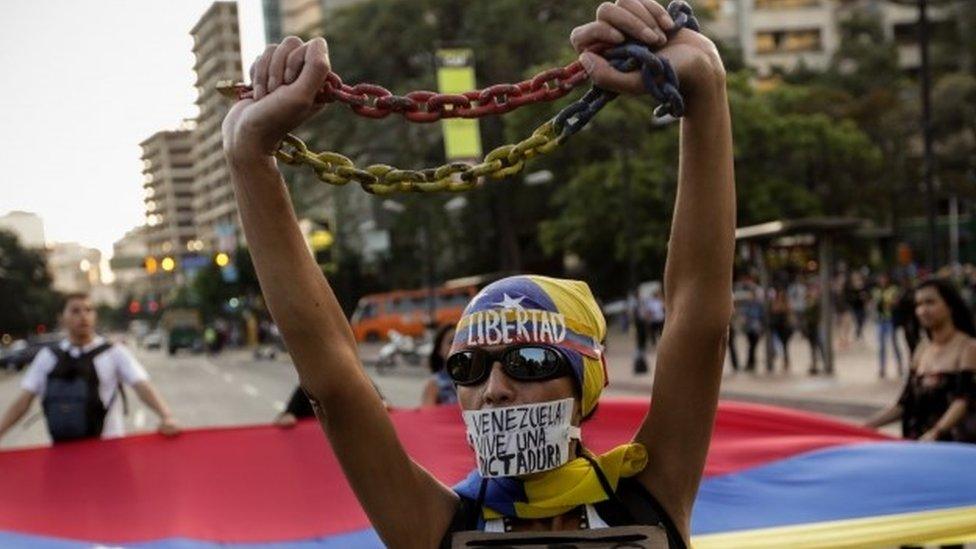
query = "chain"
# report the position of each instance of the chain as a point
(336, 169)
(373, 101)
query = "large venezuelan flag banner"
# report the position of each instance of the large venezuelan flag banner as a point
(774, 478)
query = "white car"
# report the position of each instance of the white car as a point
(153, 340)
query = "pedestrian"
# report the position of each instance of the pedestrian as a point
(298, 407)
(639, 315)
(939, 398)
(552, 367)
(781, 325)
(439, 388)
(843, 317)
(903, 316)
(753, 316)
(80, 382)
(857, 297)
(886, 297)
(655, 317)
(811, 327)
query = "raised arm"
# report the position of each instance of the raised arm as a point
(698, 274)
(407, 506)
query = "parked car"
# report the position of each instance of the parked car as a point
(21, 353)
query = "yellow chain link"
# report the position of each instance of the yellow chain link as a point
(381, 179)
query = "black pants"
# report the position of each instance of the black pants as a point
(753, 338)
(733, 354)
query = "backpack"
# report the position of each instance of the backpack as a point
(72, 406)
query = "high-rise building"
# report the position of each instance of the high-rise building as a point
(27, 226)
(779, 35)
(304, 18)
(168, 169)
(217, 47)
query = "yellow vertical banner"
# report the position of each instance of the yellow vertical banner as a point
(455, 74)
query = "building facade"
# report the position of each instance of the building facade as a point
(168, 170)
(26, 226)
(217, 48)
(780, 35)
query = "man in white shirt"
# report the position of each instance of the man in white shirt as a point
(113, 366)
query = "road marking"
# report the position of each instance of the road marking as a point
(229, 378)
(250, 389)
(139, 419)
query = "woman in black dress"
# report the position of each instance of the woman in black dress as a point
(938, 400)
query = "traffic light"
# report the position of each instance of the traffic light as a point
(151, 265)
(222, 259)
(168, 264)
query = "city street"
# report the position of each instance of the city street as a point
(234, 388)
(205, 391)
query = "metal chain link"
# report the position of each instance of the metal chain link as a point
(375, 101)
(657, 75)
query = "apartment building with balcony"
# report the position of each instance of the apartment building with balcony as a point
(168, 171)
(217, 49)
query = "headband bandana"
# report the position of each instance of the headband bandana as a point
(537, 309)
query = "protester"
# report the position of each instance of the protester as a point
(298, 407)
(811, 327)
(886, 296)
(640, 316)
(554, 359)
(937, 402)
(843, 322)
(655, 317)
(751, 310)
(79, 382)
(903, 316)
(781, 325)
(439, 388)
(857, 299)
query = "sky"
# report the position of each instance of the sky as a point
(84, 82)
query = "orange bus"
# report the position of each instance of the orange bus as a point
(406, 311)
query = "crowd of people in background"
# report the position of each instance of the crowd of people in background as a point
(791, 304)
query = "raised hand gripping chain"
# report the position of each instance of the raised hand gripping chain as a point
(373, 101)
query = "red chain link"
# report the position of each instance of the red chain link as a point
(373, 101)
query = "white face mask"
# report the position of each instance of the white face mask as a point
(520, 440)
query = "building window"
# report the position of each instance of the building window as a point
(784, 4)
(794, 41)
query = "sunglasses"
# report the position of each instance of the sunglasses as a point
(521, 363)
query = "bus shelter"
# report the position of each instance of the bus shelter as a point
(819, 232)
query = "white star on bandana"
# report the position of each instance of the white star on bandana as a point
(510, 303)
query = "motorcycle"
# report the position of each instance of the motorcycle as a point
(401, 349)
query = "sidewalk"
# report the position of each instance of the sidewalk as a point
(854, 391)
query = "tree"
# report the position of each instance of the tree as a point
(26, 297)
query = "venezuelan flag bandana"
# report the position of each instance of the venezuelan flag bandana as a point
(553, 493)
(561, 313)
(538, 309)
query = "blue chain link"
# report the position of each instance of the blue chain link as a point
(657, 75)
